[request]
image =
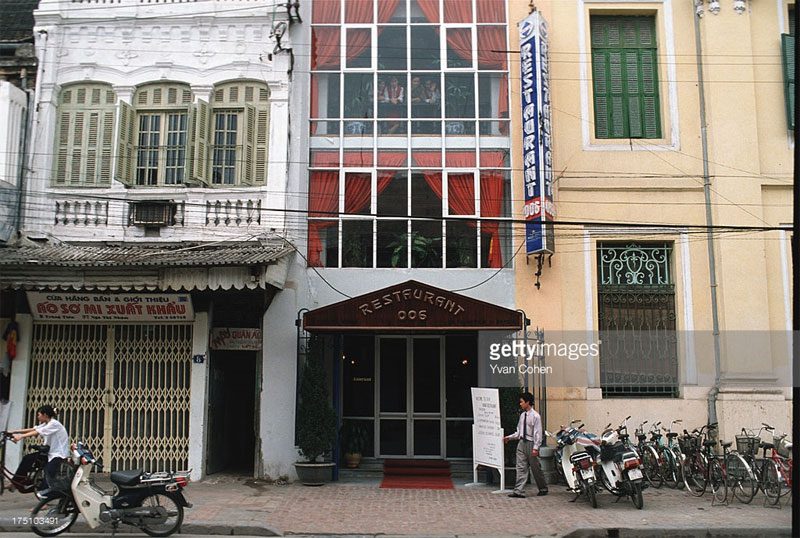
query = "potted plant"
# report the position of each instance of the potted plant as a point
(316, 421)
(424, 252)
(354, 439)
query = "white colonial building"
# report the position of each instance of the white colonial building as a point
(154, 234)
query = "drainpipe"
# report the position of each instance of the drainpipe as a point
(712, 265)
(23, 153)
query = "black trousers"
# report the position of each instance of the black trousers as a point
(27, 464)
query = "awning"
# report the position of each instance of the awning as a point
(411, 306)
(165, 267)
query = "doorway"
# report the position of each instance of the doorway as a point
(232, 425)
(410, 396)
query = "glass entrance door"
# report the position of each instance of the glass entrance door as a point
(410, 402)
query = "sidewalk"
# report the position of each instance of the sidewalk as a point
(230, 505)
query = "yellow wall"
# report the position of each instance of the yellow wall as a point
(750, 163)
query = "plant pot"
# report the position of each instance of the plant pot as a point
(352, 459)
(314, 474)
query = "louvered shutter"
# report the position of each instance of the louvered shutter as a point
(89, 148)
(63, 150)
(787, 53)
(201, 142)
(262, 145)
(248, 164)
(624, 75)
(188, 154)
(125, 154)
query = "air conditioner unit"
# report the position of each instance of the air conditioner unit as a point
(152, 214)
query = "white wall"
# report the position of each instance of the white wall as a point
(13, 103)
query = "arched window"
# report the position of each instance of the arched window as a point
(232, 135)
(85, 135)
(154, 135)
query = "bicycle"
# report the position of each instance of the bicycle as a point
(739, 476)
(35, 476)
(775, 471)
(649, 455)
(748, 445)
(672, 458)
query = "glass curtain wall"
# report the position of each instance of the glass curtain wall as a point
(409, 162)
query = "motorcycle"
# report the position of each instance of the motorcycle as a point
(621, 468)
(574, 463)
(152, 502)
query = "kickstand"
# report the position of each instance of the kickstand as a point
(114, 528)
(619, 498)
(576, 497)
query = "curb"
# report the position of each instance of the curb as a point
(717, 532)
(190, 528)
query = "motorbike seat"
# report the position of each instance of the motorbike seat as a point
(127, 478)
(672, 435)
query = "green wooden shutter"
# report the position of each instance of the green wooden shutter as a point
(262, 145)
(625, 77)
(106, 147)
(125, 153)
(248, 136)
(201, 142)
(787, 54)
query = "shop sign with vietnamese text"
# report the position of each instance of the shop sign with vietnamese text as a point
(126, 307)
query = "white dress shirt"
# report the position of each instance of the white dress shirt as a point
(533, 428)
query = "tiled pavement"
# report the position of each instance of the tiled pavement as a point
(228, 505)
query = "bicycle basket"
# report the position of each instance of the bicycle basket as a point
(689, 444)
(784, 448)
(747, 445)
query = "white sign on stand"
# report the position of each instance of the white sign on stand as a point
(487, 434)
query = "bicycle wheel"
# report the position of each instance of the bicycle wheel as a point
(716, 478)
(669, 472)
(677, 456)
(53, 516)
(771, 482)
(651, 467)
(167, 515)
(740, 478)
(695, 472)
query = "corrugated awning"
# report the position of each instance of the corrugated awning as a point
(168, 267)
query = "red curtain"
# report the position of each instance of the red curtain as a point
(431, 159)
(390, 159)
(491, 11)
(323, 201)
(460, 40)
(430, 8)
(461, 194)
(491, 40)
(386, 9)
(357, 192)
(324, 55)
(458, 11)
(357, 11)
(326, 12)
(492, 187)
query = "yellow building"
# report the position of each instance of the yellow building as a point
(628, 146)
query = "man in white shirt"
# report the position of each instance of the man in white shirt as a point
(54, 435)
(529, 433)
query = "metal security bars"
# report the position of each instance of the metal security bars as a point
(638, 355)
(122, 389)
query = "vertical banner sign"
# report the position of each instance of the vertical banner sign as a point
(487, 432)
(537, 155)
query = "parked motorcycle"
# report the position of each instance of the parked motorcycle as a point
(574, 463)
(621, 468)
(152, 502)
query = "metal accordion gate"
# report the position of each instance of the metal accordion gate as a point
(121, 389)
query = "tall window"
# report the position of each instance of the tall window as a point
(161, 124)
(639, 354)
(409, 124)
(239, 134)
(167, 139)
(787, 57)
(85, 135)
(625, 77)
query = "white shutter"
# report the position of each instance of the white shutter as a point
(125, 136)
(188, 156)
(201, 142)
(63, 146)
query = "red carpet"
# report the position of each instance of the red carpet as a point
(416, 474)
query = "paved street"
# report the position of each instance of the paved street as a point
(228, 505)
